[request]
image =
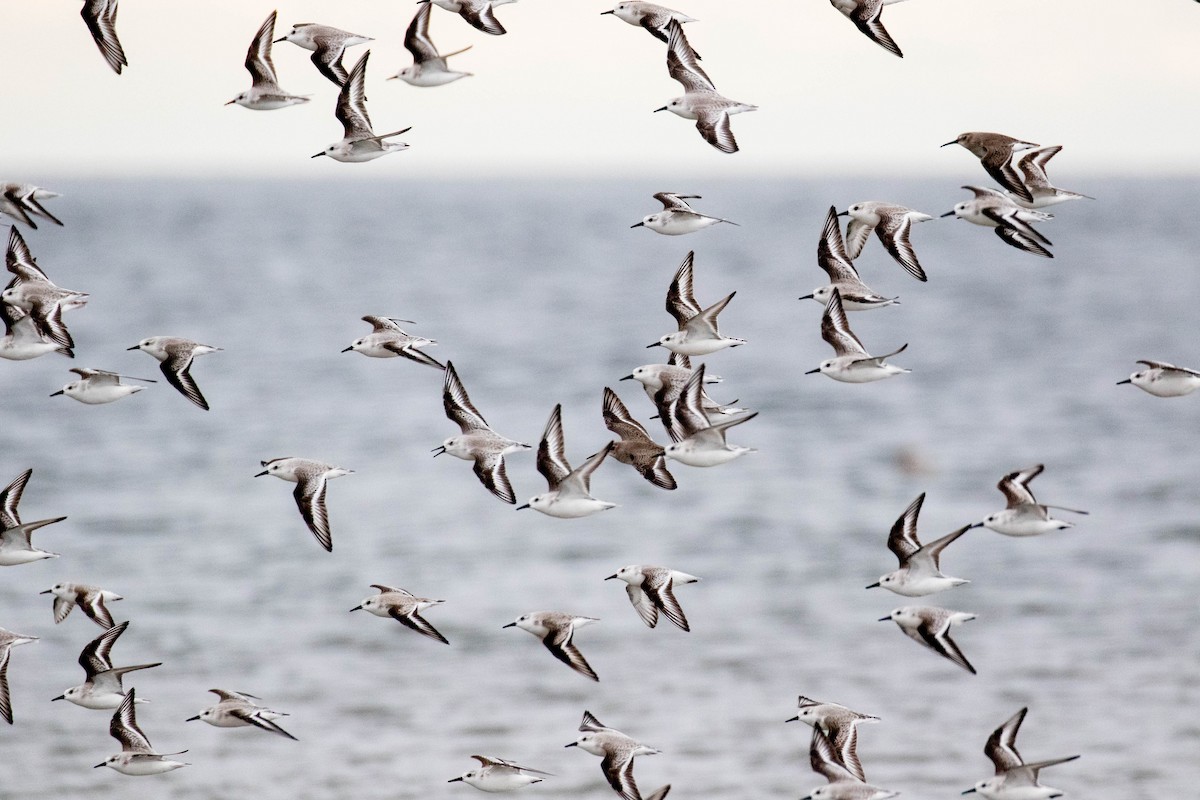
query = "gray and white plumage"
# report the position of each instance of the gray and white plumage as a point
(359, 142)
(16, 542)
(22, 339)
(137, 757)
(1023, 515)
(840, 725)
(311, 479)
(651, 590)
(22, 202)
(175, 356)
(697, 333)
(920, 570)
(617, 751)
(32, 292)
(995, 152)
(930, 626)
(700, 101)
(8, 640)
(677, 217)
(1014, 778)
(1163, 379)
(480, 14)
(651, 16)
(239, 710)
(90, 599)
(499, 775)
(102, 686)
(664, 382)
(865, 14)
(404, 607)
(98, 386)
(388, 340)
(265, 93)
(100, 16)
(892, 224)
(851, 362)
(997, 210)
(557, 632)
(635, 447)
(327, 43)
(1032, 167)
(698, 440)
(842, 784)
(429, 67)
(833, 258)
(478, 442)
(569, 493)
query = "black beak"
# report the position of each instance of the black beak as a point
(356, 608)
(231, 102)
(805, 297)
(840, 214)
(135, 347)
(61, 697)
(884, 619)
(948, 214)
(437, 451)
(656, 344)
(521, 508)
(972, 789)
(947, 144)
(813, 371)
(98, 766)
(45, 592)
(975, 525)
(637, 225)
(260, 474)
(611, 11)
(277, 41)
(56, 394)
(1127, 380)
(664, 108)
(191, 719)
(452, 780)
(793, 719)
(874, 585)
(609, 578)
(348, 349)
(318, 155)
(572, 744)
(509, 625)
(627, 378)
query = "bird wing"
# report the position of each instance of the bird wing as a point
(835, 329)
(681, 299)
(258, 57)
(310, 499)
(351, 108)
(551, 454)
(903, 537)
(682, 63)
(458, 405)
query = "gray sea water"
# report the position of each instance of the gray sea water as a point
(540, 294)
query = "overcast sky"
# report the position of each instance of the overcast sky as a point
(1117, 82)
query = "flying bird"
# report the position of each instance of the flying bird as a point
(311, 479)
(359, 143)
(265, 93)
(429, 66)
(101, 19)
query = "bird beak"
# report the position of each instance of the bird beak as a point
(260, 474)
(664, 108)
(813, 371)
(318, 155)
(610, 11)
(972, 789)
(842, 213)
(277, 41)
(948, 214)
(793, 719)
(884, 619)
(656, 344)
(874, 585)
(609, 578)
(452, 780)
(45, 592)
(805, 297)
(1127, 380)
(947, 144)
(356, 608)
(637, 225)
(572, 744)
(627, 378)
(231, 102)
(509, 625)
(975, 525)
(60, 391)
(521, 508)
(135, 347)
(98, 766)
(191, 719)
(60, 697)
(348, 349)
(437, 451)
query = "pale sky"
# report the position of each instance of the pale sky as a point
(570, 91)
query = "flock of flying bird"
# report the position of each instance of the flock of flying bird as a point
(696, 425)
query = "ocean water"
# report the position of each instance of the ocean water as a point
(540, 294)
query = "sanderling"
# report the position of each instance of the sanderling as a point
(636, 448)
(328, 44)
(557, 632)
(1014, 779)
(237, 710)
(480, 13)
(311, 479)
(90, 599)
(21, 200)
(652, 589)
(663, 383)
(137, 757)
(677, 217)
(402, 606)
(359, 143)
(1032, 166)
(700, 100)
(919, 573)
(995, 152)
(31, 291)
(478, 442)
(175, 356)
(101, 19)
(618, 751)
(851, 363)
(570, 493)
(838, 723)
(697, 334)
(930, 626)
(652, 17)
(265, 93)
(98, 386)
(102, 687)
(429, 66)
(499, 775)
(16, 546)
(842, 784)
(1024, 515)
(1164, 380)
(833, 258)
(22, 340)
(892, 224)
(865, 14)
(8, 640)
(697, 441)
(388, 340)
(1011, 222)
